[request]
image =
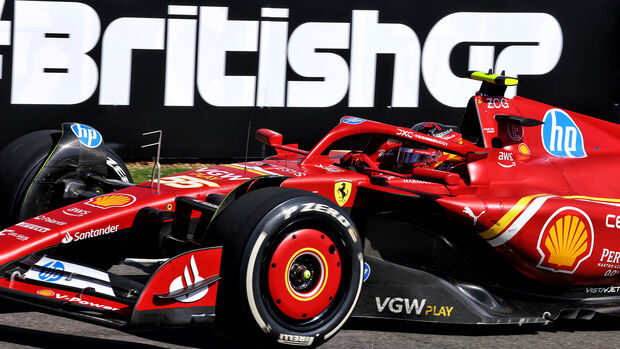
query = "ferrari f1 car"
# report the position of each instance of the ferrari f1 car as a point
(511, 218)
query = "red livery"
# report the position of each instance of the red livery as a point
(511, 217)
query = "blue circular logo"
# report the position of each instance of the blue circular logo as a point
(366, 271)
(87, 135)
(561, 136)
(351, 120)
(52, 275)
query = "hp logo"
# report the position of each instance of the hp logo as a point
(561, 136)
(366, 271)
(87, 135)
(52, 275)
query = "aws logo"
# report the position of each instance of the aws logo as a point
(561, 136)
(566, 240)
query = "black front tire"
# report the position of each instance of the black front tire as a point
(323, 274)
(21, 160)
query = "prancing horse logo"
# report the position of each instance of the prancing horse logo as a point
(342, 191)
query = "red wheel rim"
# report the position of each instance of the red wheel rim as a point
(304, 274)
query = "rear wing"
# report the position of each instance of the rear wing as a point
(490, 120)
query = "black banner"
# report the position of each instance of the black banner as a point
(205, 72)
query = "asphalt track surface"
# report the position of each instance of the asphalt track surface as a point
(28, 329)
(21, 328)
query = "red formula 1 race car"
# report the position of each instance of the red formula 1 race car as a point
(514, 217)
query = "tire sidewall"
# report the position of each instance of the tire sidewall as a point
(299, 210)
(20, 161)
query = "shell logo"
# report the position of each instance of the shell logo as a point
(566, 240)
(111, 200)
(46, 293)
(524, 149)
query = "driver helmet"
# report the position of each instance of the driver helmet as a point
(436, 129)
(410, 155)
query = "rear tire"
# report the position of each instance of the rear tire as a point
(291, 267)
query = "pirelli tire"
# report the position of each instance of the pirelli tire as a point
(20, 162)
(292, 267)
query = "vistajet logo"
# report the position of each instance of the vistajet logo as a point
(52, 62)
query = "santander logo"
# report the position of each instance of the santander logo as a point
(186, 280)
(67, 239)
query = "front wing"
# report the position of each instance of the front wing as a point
(181, 291)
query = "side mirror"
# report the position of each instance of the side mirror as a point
(269, 137)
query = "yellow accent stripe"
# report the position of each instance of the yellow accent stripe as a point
(247, 170)
(520, 205)
(509, 217)
(591, 198)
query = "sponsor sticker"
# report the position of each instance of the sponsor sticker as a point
(18, 236)
(414, 181)
(524, 149)
(566, 240)
(287, 170)
(311, 206)
(351, 120)
(468, 211)
(111, 200)
(87, 135)
(214, 173)
(69, 274)
(496, 103)
(53, 272)
(366, 271)
(609, 259)
(330, 168)
(186, 182)
(77, 236)
(49, 220)
(515, 131)
(603, 290)
(75, 212)
(34, 227)
(505, 159)
(342, 191)
(117, 169)
(190, 276)
(612, 221)
(67, 238)
(404, 133)
(399, 305)
(431, 139)
(561, 136)
(292, 339)
(76, 300)
(46, 293)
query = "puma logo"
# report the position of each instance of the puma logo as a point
(469, 212)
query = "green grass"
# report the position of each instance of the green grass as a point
(140, 175)
(141, 171)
